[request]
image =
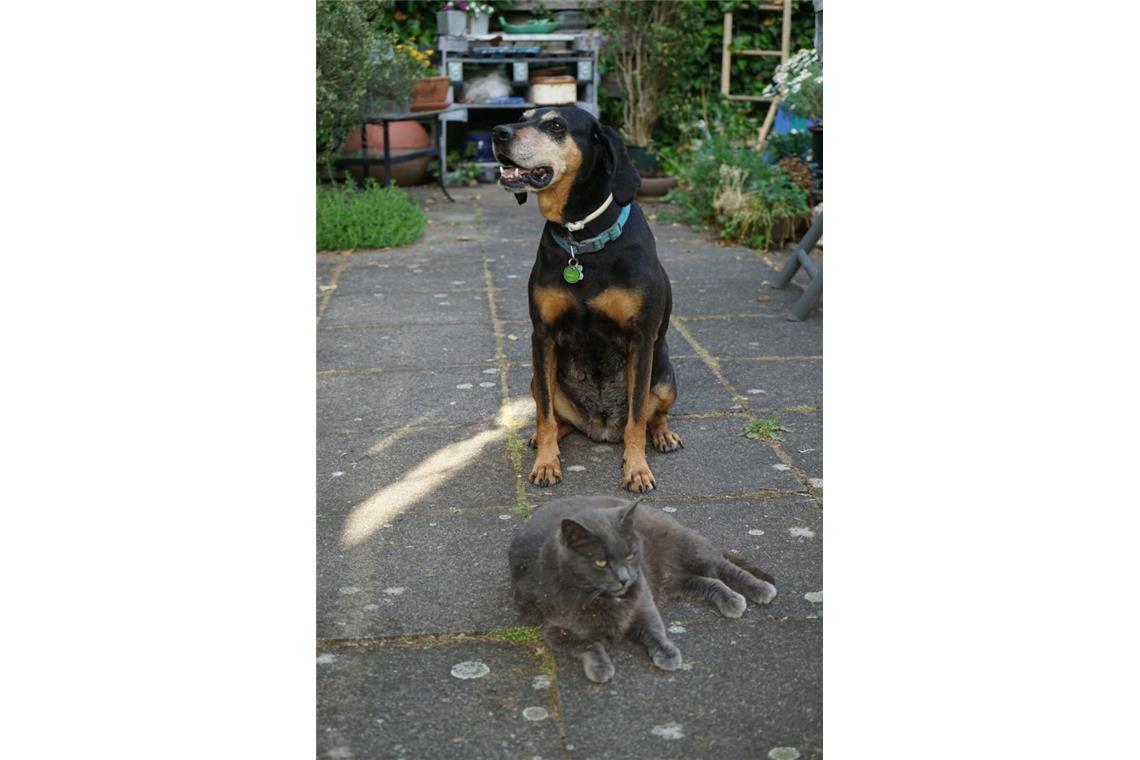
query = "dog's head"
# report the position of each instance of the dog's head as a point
(560, 153)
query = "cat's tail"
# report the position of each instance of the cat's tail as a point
(748, 566)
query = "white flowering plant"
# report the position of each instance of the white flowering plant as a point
(476, 8)
(799, 84)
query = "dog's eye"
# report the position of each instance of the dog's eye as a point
(557, 126)
(629, 556)
(600, 562)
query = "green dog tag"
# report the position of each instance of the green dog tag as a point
(572, 274)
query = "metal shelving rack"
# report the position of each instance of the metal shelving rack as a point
(455, 55)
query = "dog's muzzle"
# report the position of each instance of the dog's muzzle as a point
(512, 175)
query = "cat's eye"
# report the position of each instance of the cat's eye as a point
(629, 556)
(600, 562)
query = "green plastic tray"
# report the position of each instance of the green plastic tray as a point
(530, 27)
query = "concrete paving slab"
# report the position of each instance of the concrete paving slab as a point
(445, 268)
(754, 685)
(511, 299)
(402, 702)
(359, 310)
(406, 346)
(511, 268)
(804, 444)
(389, 472)
(381, 401)
(727, 339)
(418, 571)
(776, 384)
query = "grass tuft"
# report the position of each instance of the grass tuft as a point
(767, 429)
(370, 217)
(521, 635)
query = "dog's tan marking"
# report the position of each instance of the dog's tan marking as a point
(552, 302)
(549, 115)
(619, 304)
(567, 159)
(529, 114)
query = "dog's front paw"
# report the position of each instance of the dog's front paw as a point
(637, 477)
(547, 471)
(666, 441)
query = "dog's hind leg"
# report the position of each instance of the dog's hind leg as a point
(568, 417)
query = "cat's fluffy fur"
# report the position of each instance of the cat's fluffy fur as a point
(648, 558)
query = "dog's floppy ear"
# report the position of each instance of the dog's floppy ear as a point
(615, 158)
(521, 198)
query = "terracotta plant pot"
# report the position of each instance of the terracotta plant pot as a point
(405, 136)
(430, 94)
(655, 187)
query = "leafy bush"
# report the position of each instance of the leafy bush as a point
(371, 217)
(794, 144)
(729, 187)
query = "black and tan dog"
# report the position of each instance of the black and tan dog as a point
(599, 298)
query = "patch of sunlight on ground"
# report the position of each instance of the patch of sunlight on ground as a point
(428, 475)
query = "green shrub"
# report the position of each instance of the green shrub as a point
(730, 188)
(371, 217)
(795, 144)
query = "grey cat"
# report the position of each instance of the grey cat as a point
(590, 571)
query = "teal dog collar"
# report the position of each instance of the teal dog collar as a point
(594, 244)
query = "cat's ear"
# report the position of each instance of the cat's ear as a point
(574, 535)
(626, 518)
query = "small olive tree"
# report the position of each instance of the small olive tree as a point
(645, 39)
(346, 31)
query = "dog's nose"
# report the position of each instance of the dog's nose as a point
(502, 133)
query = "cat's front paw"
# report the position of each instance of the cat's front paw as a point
(762, 593)
(731, 604)
(667, 657)
(598, 670)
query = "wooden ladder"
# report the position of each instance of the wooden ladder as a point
(784, 52)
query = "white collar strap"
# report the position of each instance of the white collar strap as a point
(575, 226)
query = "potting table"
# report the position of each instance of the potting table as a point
(439, 149)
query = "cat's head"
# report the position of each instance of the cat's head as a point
(600, 549)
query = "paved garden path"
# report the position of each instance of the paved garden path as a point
(423, 359)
